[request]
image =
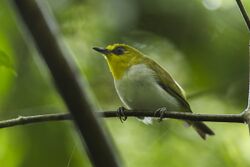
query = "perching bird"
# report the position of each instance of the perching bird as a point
(143, 84)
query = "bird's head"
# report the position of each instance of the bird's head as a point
(120, 58)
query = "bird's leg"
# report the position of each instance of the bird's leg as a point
(121, 115)
(162, 112)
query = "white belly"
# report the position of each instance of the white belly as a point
(138, 89)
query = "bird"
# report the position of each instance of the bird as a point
(142, 84)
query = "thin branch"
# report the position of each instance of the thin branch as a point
(229, 118)
(244, 13)
(246, 113)
(237, 118)
(23, 120)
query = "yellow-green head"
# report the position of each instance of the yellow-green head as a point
(120, 57)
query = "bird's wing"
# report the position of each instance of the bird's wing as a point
(166, 81)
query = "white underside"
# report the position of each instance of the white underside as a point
(138, 89)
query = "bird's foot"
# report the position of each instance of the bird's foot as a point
(121, 115)
(161, 112)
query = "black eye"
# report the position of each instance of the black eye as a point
(118, 51)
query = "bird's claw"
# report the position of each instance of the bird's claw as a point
(161, 112)
(121, 115)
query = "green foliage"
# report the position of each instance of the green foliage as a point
(204, 46)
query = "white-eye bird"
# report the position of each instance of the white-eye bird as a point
(143, 84)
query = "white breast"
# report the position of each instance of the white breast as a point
(138, 89)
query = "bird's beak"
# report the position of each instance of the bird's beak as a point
(101, 50)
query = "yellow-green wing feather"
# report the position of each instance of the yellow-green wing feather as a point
(166, 81)
(171, 86)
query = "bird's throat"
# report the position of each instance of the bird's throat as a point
(117, 68)
(119, 65)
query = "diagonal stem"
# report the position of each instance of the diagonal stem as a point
(43, 29)
(244, 13)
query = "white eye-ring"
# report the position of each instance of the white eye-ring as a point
(118, 51)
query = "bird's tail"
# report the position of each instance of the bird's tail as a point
(202, 129)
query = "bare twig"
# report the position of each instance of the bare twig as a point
(23, 120)
(246, 113)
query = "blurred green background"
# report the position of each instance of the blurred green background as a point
(202, 43)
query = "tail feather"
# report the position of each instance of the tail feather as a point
(202, 129)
